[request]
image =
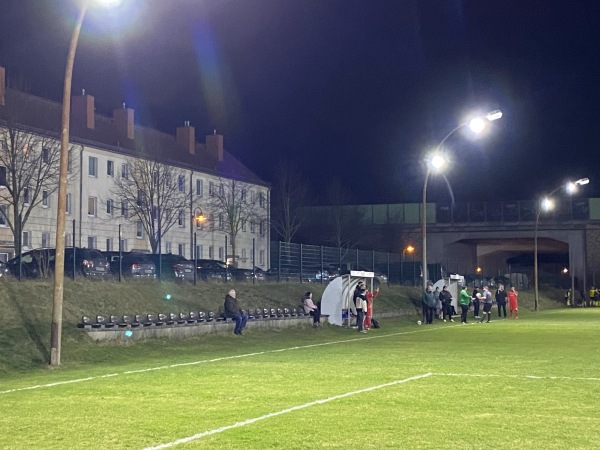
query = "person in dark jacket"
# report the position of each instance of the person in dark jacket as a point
(233, 311)
(446, 299)
(429, 304)
(501, 301)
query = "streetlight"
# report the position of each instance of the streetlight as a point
(199, 218)
(59, 270)
(408, 249)
(547, 204)
(436, 163)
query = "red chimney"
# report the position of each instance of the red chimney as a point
(186, 137)
(2, 85)
(123, 120)
(83, 110)
(214, 145)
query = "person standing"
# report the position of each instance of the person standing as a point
(501, 301)
(476, 297)
(446, 299)
(428, 304)
(312, 309)
(486, 298)
(513, 304)
(369, 311)
(464, 301)
(360, 302)
(233, 311)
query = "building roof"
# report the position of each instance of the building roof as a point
(43, 116)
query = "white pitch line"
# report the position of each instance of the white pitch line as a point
(283, 411)
(531, 377)
(224, 358)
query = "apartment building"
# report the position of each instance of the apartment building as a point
(103, 151)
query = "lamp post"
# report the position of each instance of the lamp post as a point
(437, 161)
(408, 249)
(59, 259)
(547, 204)
(199, 218)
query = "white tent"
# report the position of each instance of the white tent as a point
(454, 283)
(337, 299)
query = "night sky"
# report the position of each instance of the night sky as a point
(358, 89)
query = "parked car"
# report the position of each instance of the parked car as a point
(241, 274)
(213, 269)
(132, 264)
(173, 266)
(40, 262)
(3, 269)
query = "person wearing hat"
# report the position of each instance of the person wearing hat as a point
(233, 311)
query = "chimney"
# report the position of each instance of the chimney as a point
(123, 120)
(186, 137)
(2, 85)
(83, 110)
(214, 145)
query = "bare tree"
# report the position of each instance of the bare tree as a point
(234, 205)
(29, 165)
(153, 194)
(289, 195)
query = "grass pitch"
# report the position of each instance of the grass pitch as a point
(527, 383)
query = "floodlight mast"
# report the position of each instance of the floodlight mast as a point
(437, 162)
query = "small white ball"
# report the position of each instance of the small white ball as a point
(419, 322)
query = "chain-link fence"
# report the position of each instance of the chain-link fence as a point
(313, 263)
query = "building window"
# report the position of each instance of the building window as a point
(45, 155)
(92, 166)
(181, 183)
(221, 254)
(68, 205)
(45, 239)
(261, 257)
(221, 222)
(252, 197)
(244, 222)
(141, 198)
(243, 253)
(211, 252)
(110, 207)
(211, 189)
(252, 227)
(109, 245)
(2, 176)
(243, 195)
(45, 199)
(70, 161)
(262, 228)
(168, 247)
(125, 171)
(181, 249)
(139, 229)
(69, 240)
(181, 219)
(26, 196)
(199, 251)
(123, 208)
(3, 215)
(261, 200)
(26, 239)
(110, 168)
(199, 188)
(92, 206)
(221, 190)
(124, 245)
(91, 241)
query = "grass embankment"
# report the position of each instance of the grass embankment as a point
(27, 310)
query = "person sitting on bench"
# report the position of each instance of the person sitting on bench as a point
(312, 309)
